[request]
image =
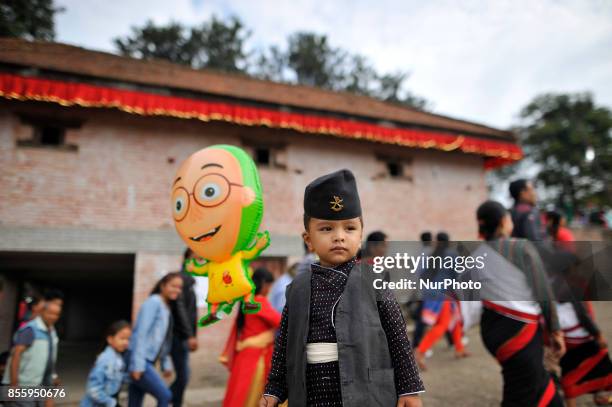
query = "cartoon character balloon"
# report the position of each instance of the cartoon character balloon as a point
(217, 207)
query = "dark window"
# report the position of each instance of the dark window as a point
(48, 132)
(263, 156)
(52, 136)
(267, 155)
(395, 169)
(49, 135)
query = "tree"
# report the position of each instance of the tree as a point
(215, 44)
(307, 59)
(361, 77)
(314, 61)
(570, 138)
(391, 90)
(271, 65)
(28, 19)
(161, 42)
(220, 45)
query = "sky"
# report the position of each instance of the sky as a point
(476, 60)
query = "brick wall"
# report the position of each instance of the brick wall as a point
(120, 177)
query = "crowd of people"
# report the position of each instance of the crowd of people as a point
(547, 342)
(165, 331)
(320, 341)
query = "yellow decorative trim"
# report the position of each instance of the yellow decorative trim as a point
(458, 143)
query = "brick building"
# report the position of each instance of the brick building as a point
(89, 144)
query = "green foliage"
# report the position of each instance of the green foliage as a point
(307, 59)
(215, 44)
(271, 65)
(28, 19)
(161, 42)
(313, 60)
(559, 130)
(390, 90)
(220, 45)
(361, 77)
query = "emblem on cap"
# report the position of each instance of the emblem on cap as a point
(336, 204)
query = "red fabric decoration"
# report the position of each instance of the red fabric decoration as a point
(496, 153)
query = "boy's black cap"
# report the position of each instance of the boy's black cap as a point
(333, 197)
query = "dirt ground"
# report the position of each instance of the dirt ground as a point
(475, 381)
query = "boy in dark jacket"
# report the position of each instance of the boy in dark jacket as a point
(340, 343)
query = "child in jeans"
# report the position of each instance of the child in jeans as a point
(109, 371)
(340, 343)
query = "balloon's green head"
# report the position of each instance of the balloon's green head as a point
(217, 201)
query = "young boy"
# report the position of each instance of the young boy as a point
(338, 345)
(32, 360)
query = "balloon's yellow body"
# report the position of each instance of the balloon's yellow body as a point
(227, 281)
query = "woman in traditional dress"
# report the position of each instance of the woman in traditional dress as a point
(516, 296)
(248, 352)
(586, 366)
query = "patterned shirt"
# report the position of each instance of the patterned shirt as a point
(327, 285)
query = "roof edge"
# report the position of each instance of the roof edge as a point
(73, 59)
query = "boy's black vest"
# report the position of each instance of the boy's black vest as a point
(366, 372)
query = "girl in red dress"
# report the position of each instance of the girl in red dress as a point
(248, 351)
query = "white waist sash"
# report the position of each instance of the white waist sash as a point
(323, 352)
